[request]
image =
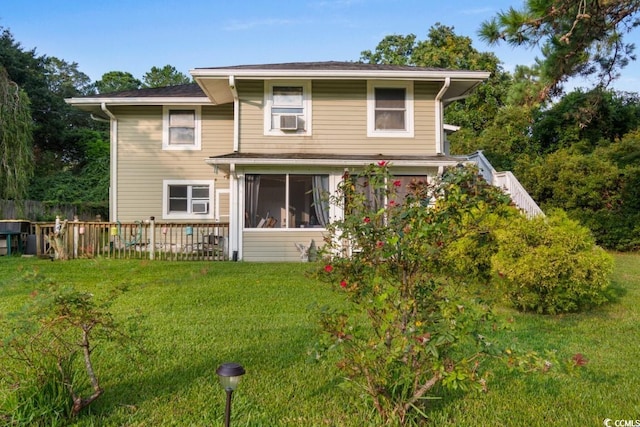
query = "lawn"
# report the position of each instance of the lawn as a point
(198, 315)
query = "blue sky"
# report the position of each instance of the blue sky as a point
(135, 35)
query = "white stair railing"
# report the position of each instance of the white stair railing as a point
(509, 184)
(520, 197)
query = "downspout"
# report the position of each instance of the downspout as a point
(113, 188)
(235, 216)
(440, 117)
(236, 114)
(237, 221)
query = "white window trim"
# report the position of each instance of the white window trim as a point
(371, 104)
(186, 215)
(306, 105)
(197, 144)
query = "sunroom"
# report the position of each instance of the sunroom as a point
(279, 202)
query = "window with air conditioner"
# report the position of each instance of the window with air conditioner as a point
(187, 199)
(287, 108)
(390, 109)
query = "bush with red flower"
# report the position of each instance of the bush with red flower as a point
(425, 323)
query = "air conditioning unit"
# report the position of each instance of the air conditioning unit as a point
(200, 207)
(288, 122)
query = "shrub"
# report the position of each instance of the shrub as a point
(52, 373)
(551, 265)
(414, 318)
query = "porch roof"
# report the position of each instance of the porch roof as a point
(226, 161)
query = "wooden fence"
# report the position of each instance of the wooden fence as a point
(132, 240)
(38, 211)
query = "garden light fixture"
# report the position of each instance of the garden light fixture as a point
(229, 374)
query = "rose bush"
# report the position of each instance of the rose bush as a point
(400, 266)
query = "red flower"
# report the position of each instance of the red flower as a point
(579, 359)
(397, 183)
(367, 219)
(343, 284)
(392, 202)
(382, 163)
(379, 244)
(328, 268)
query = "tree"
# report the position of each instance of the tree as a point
(16, 155)
(165, 76)
(578, 38)
(66, 80)
(117, 81)
(47, 81)
(586, 118)
(51, 348)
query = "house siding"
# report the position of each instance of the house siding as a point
(339, 122)
(142, 161)
(277, 246)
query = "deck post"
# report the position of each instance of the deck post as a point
(152, 238)
(76, 235)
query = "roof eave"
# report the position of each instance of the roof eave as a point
(165, 100)
(426, 75)
(225, 163)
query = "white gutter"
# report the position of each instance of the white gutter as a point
(113, 187)
(236, 114)
(440, 116)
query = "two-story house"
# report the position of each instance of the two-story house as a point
(257, 146)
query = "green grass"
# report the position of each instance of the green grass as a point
(198, 315)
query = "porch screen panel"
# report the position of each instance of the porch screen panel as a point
(270, 201)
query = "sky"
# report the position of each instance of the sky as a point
(135, 35)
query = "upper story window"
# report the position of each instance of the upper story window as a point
(287, 108)
(390, 109)
(181, 128)
(187, 199)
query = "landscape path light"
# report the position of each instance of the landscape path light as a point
(229, 374)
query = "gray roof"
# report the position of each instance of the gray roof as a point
(326, 66)
(188, 90)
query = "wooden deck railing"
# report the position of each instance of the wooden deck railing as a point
(139, 239)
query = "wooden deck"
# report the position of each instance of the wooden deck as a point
(132, 240)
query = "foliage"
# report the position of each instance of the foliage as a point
(66, 80)
(585, 119)
(578, 38)
(600, 189)
(165, 76)
(47, 80)
(16, 156)
(505, 140)
(86, 184)
(413, 271)
(552, 265)
(117, 81)
(50, 351)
